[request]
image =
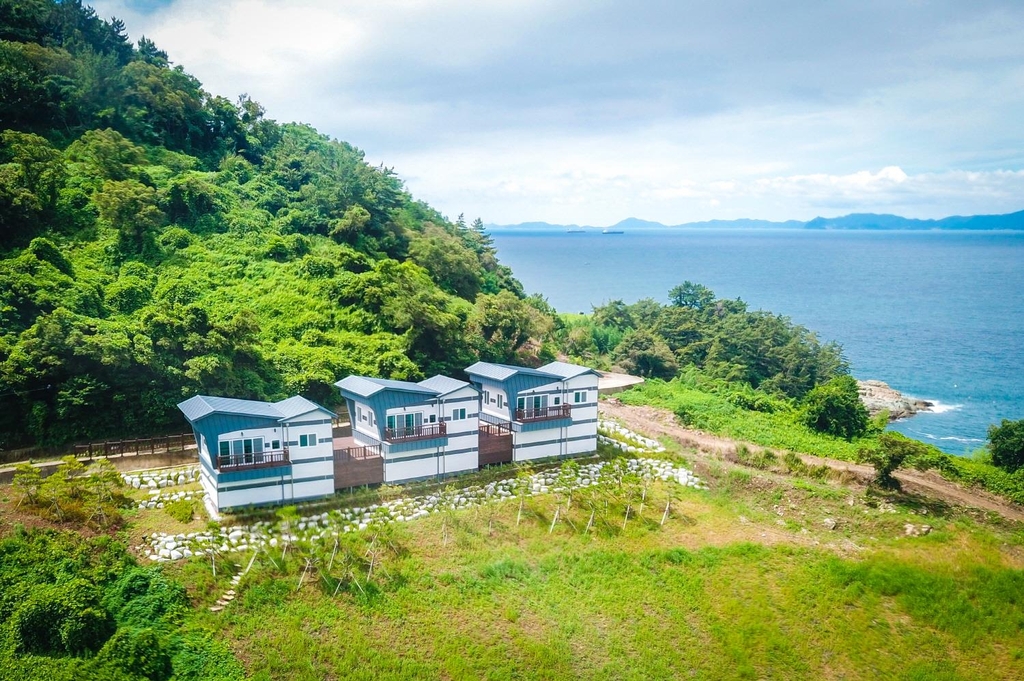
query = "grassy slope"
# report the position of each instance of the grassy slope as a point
(743, 582)
(713, 413)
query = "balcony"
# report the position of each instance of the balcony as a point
(562, 411)
(425, 431)
(254, 460)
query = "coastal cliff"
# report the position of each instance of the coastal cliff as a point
(878, 396)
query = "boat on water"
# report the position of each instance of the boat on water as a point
(575, 231)
(612, 231)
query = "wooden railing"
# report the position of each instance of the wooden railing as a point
(358, 453)
(266, 459)
(421, 432)
(562, 411)
(495, 429)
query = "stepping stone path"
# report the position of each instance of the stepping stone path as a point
(323, 527)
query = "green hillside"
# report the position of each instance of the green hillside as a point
(157, 241)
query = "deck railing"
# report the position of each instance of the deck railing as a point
(421, 432)
(562, 411)
(358, 453)
(495, 429)
(265, 459)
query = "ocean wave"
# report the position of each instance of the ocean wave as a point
(942, 408)
(947, 438)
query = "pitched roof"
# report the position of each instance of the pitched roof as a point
(566, 370)
(501, 372)
(199, 406)
(363, 386)
(443, 384)
(296, 405)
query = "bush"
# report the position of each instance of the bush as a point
(66, 618)
(895, 451)
(138, 653)
(1006, 442)
(835, 409)
(182, 510)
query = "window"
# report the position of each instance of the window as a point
(558, 401)
(235, 452)
(487, 397)
(458, 414)
(501, 402)
(579, 397)
(307, 440)
(275, 444)
(433, 418)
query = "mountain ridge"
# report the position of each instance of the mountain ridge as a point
(851, 221)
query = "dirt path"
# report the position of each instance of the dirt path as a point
(656, 422)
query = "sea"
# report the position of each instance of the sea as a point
(936, 315)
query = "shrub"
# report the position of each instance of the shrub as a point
(64, 618)
(182, 510)
(895, 451)
(137, 653)
(835, 408)
(1006, 442)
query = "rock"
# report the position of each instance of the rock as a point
(829, 523)
(176, 555)
(878, 396)
(925, 529)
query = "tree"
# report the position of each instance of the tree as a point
(1006, 442)
(835, 408)
(130, 207)
(504, 324)
(896, 451)
(643, 354)
(694, 296)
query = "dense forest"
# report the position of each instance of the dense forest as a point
(720, 337)
(158, 241)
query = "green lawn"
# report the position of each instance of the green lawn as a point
(743, 581)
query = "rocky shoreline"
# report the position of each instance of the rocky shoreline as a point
(878, 396)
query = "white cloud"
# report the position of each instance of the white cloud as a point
(590, 112)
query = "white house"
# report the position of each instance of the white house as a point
(254, 453)
(421, 430)
(540, 413)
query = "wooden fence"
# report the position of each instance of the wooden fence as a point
(106, 448)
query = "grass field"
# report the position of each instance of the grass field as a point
(743, 581)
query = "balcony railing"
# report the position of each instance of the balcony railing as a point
(265, 459)
(562, 411)
(421, 432)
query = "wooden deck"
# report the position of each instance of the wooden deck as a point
(495, 444)
(355, 464)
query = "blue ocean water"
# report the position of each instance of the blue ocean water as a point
(936, 315)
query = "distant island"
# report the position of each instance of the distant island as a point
(872, 221)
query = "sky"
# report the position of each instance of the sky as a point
(592, 111)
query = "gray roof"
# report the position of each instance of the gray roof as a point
(443, 384)
(297, 405)
(500, 372)
(566, 370)
(365, 387)
(200, 406)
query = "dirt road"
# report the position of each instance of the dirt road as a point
(656, 422)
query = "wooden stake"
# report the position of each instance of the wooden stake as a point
(330, 564)
(665, 514)
(589, 522)
(554, 520)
